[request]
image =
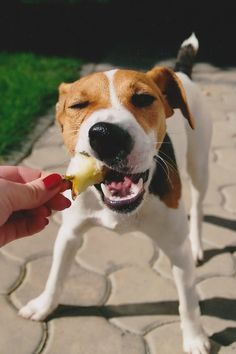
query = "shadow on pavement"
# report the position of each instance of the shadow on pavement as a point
(216, 307)
(219, 221)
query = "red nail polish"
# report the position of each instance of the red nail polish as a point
(52, 181)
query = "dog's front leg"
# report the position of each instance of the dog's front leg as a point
(194, 338)
(67, 243)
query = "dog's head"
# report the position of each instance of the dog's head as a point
(119, 117)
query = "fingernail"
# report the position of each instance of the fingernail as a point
(68, 203)
(52, 181)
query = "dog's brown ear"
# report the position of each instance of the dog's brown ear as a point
(172, 90)
(60, 106)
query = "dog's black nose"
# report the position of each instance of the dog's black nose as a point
(111, 143)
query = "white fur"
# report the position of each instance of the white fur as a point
(113, 96)
(191, 40)
(167, 227)
(140, 158)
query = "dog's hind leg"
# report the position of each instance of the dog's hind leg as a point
(66, 246)
(198, 169)
(194, 338)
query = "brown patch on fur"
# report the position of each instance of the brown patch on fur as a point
(166, 183)
(173, 91)
(171, 199)
(127, 83)
(93, 89)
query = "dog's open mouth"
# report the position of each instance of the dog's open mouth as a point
(123, 192)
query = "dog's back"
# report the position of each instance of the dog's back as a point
(188, 143)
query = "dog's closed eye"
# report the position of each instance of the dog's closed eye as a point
(142, 100)
(79, 105)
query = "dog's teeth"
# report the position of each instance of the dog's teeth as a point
(135, 189)
(140, 183)
(106, 192)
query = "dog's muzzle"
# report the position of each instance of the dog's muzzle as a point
(121, 191)
(111, 143)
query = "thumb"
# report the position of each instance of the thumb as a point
(35, 193)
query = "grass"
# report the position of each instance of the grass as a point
(28, 87)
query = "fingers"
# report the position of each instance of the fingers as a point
(19, 174)
(22, 226)
(43, 211)
(58, 203)
(36, 193)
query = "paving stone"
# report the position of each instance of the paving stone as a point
(219, 236)
(219, 177)
(87, 69)
(47, 157)
(218, 213)
(226, 77)
(229, 100)
(163, 339)
(81, 288)
(219, 287)
(223, 132)
(231, 116)
(168, 338)
(105, 251)
(210, 268)
(218, 265)
(18, 336)
(230, 198)
(218, 307)
(141, 324)
(228, 350)
(103, 67)
(34, 246)
(213, 196)
(59, 169)
(128, 286)
(226, 157)
(222, 331)
(90, 335)
(11, 270)
(219, 114)
(51, 137)
(205, 68)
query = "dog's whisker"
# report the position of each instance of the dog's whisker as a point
(170, 162)
(163, 142)
(166, 169)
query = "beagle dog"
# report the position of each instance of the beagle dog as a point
(145, 128)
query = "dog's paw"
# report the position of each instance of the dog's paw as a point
(199, 344)
(38, 309)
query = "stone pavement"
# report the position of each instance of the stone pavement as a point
(119, 297)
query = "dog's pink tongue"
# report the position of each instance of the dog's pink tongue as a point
(120, 189)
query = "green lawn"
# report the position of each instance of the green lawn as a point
(28, 87)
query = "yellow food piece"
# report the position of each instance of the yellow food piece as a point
(89, 174)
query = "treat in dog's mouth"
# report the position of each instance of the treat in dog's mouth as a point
(89, 173)
(122, 192)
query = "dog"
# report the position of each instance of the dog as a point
(120, 118)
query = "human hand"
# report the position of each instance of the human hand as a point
(27, 198)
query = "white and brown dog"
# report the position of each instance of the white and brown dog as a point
(119, 117)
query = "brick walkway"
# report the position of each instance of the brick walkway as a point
(124, 302)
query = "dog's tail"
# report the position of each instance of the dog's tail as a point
(186, 55)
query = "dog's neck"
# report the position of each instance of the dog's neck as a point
(165, 182)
